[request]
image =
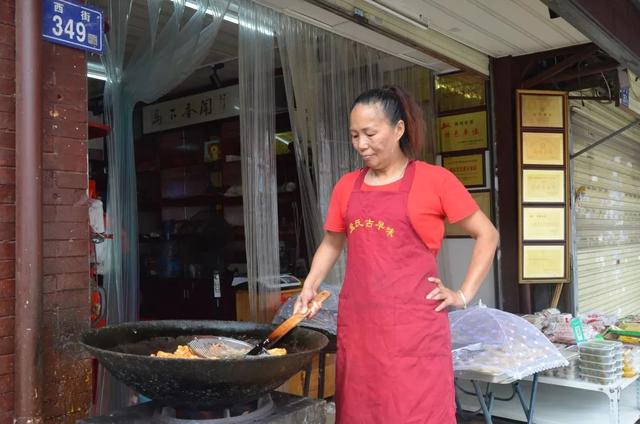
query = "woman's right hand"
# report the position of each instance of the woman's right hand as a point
(323, 260)
(302, 303)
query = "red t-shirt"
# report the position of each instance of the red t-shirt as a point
(435, 194)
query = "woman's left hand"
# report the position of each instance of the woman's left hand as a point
(448, 296)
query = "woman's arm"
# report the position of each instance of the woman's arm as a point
(323, 260)
(478, 226)
(482, 230)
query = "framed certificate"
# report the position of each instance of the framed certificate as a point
(466, 131)
(543, 186)
(468, 168)
(543, 262)
(544, 239)
(546, 223)
(542, 148)
(483, 199)
(542, 110)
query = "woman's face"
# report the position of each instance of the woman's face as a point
(374, 137)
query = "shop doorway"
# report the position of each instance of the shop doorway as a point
(191, 241)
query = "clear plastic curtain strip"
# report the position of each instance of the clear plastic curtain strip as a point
(257, 136)
(324, 73)
(178, 40)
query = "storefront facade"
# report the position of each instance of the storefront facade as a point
(55, 365)
(44, 375)
(605, 135)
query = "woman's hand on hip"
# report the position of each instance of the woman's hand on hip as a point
(448, 296)
(302, 302)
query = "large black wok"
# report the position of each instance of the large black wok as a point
(201, 384)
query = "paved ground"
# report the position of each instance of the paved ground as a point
(475, 420)
(480, 420)
(471, 420)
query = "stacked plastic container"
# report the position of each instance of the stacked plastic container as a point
(570, 372)
(601, 361)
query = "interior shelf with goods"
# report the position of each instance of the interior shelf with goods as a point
(97, 132)
(191, 224)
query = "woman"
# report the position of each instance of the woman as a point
(394, 346)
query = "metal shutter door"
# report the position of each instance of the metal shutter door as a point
(606, 182)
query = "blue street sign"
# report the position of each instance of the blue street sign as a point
(72, 25)
(624, 96)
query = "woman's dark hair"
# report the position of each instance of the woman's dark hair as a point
(397, 104)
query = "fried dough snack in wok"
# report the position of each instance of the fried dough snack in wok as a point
(183, 352)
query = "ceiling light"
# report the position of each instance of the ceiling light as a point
(307, 19)
(407, 19)
(229, 17)
(282, 140)
(96, 76)
(96, 71)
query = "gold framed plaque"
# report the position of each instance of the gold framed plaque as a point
(543, 186)
(483, 199)
(468, 168)
(543, 262)
(543, 223)
(544, 239)
(542, 111)
(466, 131)
(460, 90)
(542, 148)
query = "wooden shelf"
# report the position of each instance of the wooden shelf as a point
(174, 237)
(145, 170)
(158, 168)
(289, 157)
(175, 279)
(208, 199)
(200, 200)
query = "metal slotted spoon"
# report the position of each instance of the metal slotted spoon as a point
(218, 347)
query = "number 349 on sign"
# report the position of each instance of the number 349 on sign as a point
(73, 25)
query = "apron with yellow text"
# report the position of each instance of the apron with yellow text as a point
(394, 351)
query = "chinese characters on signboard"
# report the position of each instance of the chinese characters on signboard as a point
(467, 131)
(463, 139)
(543, 111)
(72, 25)
(461, 90)
(470, 169)
(203, 107)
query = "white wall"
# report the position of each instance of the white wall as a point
(453, 261)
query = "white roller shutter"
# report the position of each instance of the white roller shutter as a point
(606, 183)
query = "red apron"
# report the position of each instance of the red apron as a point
(394, 351)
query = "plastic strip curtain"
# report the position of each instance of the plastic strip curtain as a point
(324, 73)
(303, 122)
(183, 41)
(257, 141)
